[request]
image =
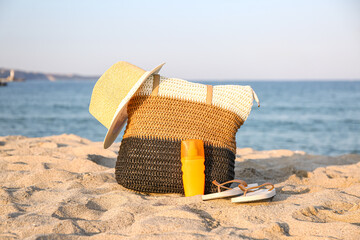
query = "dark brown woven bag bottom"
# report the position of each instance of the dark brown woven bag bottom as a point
(152, 165)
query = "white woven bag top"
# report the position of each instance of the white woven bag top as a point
(235, 98)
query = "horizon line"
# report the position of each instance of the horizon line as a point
(208, 80)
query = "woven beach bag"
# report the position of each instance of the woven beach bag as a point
(165, 111)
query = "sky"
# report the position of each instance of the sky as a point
(204, 39)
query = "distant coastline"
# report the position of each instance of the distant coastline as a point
(31, 75)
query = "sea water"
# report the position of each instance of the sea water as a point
(315, 117)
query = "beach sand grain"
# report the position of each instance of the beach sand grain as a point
(63, 187)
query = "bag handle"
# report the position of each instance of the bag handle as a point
(209, 94)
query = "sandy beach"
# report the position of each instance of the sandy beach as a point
(63, 187)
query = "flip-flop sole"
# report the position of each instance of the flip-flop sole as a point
(228, 193)
(255, 196)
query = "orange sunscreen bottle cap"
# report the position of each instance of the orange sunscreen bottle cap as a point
(191, 149)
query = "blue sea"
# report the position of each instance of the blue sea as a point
(315, 117)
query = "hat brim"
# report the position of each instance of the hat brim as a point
(120, 115)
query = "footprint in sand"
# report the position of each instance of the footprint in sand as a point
(276, 230)
(68, 227)
(248, 173)
(91, 218)
(156, 224)
(11, 210)
(23, 194)
(294, 189)
(77, 212)
(101, 160)
(107, 201)
(82, 227)
(5, 195)
(332, 211)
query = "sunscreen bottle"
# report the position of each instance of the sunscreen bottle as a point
(193, 168)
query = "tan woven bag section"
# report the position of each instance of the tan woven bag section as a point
(165, 111)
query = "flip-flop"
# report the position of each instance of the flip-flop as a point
(230, 192)
(252, 194)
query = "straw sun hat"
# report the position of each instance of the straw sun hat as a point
(111, 94)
